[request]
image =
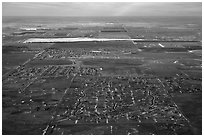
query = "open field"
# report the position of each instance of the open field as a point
(49, 62)
(100, 44)
(113, 62)
(113, 34)
(15, 59)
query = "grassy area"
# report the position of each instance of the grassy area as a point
(105, 44)
(113, 62)
(16, 59)
(49, 62)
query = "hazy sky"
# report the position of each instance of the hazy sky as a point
(101, 9)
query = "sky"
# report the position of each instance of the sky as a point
(101, 9)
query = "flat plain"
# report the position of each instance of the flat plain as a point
(141, 87)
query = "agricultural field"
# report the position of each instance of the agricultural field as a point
(94, 45)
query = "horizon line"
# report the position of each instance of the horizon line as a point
(103, 16)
